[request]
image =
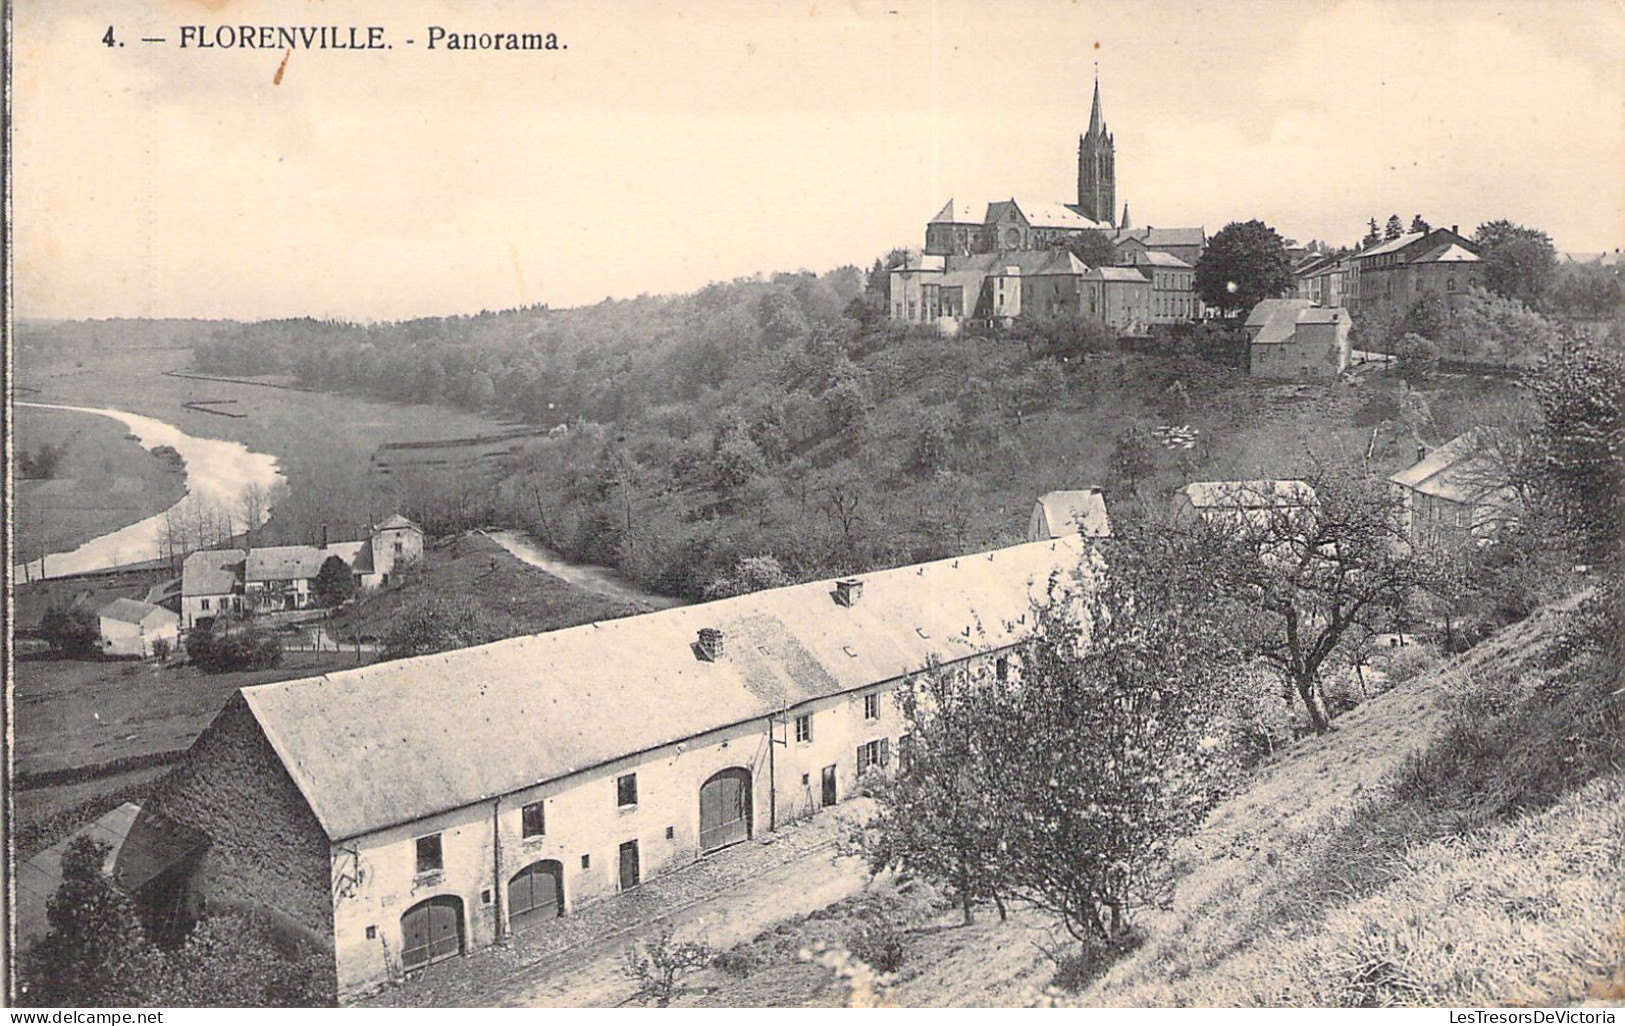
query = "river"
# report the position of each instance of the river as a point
(217, 472)
(597, 579)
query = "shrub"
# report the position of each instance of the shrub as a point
(73, 631)
(878, 944)
(659, 965)
(1418, 357)
(233, 644)
(1075, 971)
(734, 963)
(160, 649)
(1405, 662)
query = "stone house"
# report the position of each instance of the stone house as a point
(1294, 340)
(1453, 495)
(1173, 284)
(1389, 277)
(130, 627)
(410, 811)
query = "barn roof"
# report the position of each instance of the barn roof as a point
(396, 521)
(212, 572)
(394, 742)
(285, 562)
(1259, 494)
(1065, 511)
(129, 610)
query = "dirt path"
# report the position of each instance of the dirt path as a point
(597, 579)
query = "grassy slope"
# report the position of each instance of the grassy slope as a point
(105, 481)
(1289, 895)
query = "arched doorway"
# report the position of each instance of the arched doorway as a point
(536, 894)
(431, 930)
(725, 807)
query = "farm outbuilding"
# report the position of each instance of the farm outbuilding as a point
(130, 627)
(410, 811)
(1058, 514)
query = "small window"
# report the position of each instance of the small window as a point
(871, 706)
(205, 603)
(372, 933)
(804, 728)
(872, 754)
(626, 790)
(535, 820)
(905, 751)
(430, 859)
(485, 896)
(671, 832)
(586, 862)
(1002, 668)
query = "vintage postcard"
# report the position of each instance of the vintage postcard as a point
(902, 503)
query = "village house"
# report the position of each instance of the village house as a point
(281, 578)
(1321, 279)
(1295, 340)
(410, 811)
(1173, 284)
(1453, 495)
(1185, 244)
(1389, 277)
(130, 627)
(1242, 505)
(1063, 513)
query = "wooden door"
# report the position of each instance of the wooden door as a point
(536, 894)
(725, 802)
(829, 785)
(431, 930)
(629, 865)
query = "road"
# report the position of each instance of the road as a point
(600, 580)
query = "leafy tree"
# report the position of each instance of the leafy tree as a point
(1092, 246)
(751, 574)
(1244, 263)
(1418, 357)
(1591, 292)
(932, 445)
(1581, 393)
(1309, 575)
(847, 408)
(1490, 328)
(1394, 229)
(96, 953)
(1428, 316)
(936, 817)
(233, 643)
(72, 631)
(1373, 235)
(1419, 225)
(335, 583)
(1518, 262)
(236, 960)
(1134, 455)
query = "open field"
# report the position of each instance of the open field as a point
(105, 480)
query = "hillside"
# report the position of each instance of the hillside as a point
(1457, 840)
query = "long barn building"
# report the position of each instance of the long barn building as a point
(410, 811)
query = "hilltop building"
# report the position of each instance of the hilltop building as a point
(409, 811)
(1295, 340)
(989, 263)
(1389, 277)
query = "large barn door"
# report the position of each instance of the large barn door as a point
(725, 803)
(536, 894)
(431, 930)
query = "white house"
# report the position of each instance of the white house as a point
(130, 627)
(1453, 494)
(409, 811)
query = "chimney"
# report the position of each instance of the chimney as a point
(710, 644)
(324, 536)
(848, 591)
(1455, 229)
(1421, 453)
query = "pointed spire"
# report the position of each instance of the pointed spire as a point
(1123, 224)
(1097, 122)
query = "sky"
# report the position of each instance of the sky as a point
(674, 144)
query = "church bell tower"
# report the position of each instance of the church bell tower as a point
(1097, 168)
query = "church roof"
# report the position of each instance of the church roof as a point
(1054, 215)
(1097, 120)
(960, 213)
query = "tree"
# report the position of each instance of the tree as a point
(1373, 235)
(1310, 574)
(233, 643)
(1588, 291)
(437, 624)
(1394, 229)
(1092, 246)
(1428, 316)
(751, 574)
(334, 584)
(1418, 357)
(1134, 455)
(96, 953)
(236, 960)
(1244, 263)
(1419, 225)
(1581, 393)
(936, 817)
(72, 631)
(1495, 329)
(1518, 262)
(659, 965)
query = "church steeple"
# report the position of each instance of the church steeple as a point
(1097, 166)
